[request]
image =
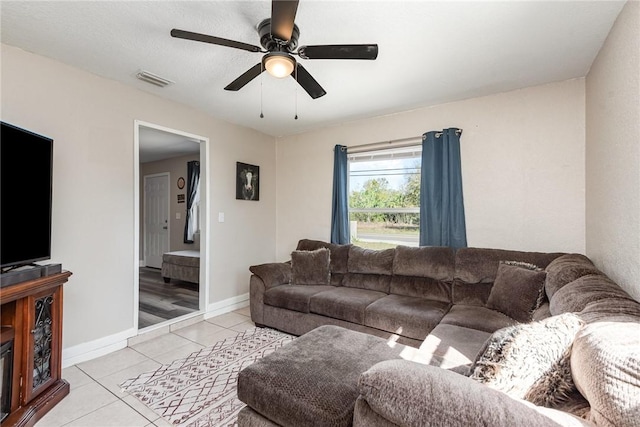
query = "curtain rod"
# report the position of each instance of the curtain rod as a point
(383, 145)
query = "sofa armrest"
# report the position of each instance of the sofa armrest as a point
(410, 394)
(264, 277)
(273, 274)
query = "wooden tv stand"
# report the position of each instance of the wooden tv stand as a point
(31, 315)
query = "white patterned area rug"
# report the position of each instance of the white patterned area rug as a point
(200, 390)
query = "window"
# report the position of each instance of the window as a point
(384, 197)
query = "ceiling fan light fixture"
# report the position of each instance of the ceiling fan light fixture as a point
(279, 64)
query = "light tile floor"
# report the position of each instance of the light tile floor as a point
(95, 398)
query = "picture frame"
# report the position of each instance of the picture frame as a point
(247, 182)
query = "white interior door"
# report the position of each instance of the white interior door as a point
(156, 218)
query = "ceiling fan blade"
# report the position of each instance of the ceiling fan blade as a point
(245, 78)
(283, 15)
(308, 83)
(339, 51)
(188, 35)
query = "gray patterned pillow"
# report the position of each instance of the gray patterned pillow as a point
(530, 361)
(311, 267)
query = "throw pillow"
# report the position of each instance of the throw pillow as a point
(517, 290)
(311, 267)
(531, 361)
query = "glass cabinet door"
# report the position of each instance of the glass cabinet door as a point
(43, 324)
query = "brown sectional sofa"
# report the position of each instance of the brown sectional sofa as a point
(435, 301)
(403, 291)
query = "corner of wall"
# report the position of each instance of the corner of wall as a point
(612, 158)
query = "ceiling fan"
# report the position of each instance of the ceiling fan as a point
(279, 38)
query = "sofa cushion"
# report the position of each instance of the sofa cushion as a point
(273, 274)
(293, 297)
(477, 265)
(517, 290)
(531, 361)
(611, 310)
(344, 303)
(470, 293)
(474, 317)
(339, 253)
(428, 261)
(421, 287)
(372, 282)
(575, 296)
(411, 394)
(542, 312)
(408, 316)
(313, 381)
(565, 269)
(311, 267)
(369, 261)
(454, 346)
(605, 363)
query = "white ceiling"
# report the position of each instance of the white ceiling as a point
(430, 52)
(156, 144)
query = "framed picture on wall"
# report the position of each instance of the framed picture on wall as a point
(247, 181)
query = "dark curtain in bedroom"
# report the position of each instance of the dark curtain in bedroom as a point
(193, 198)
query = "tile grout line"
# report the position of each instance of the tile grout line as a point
(121, 399)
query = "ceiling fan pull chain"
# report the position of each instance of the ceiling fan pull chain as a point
(261, 80)
(296, 117)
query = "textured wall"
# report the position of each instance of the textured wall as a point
(613, 153)
(522, 166)
(91, 120)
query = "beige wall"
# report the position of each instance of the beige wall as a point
(176, 167)
(522, 163)
(92, 122)
(613, 153)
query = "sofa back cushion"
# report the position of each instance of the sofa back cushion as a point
(369, 269)
(369, 261)
(421, 287)
(470, 293)
(433, 262)
(565, 269)
(372, 282)
(576, 295)
(339, 257)
(477, 265)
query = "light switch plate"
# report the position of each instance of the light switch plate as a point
(220, 216)
(178, 215)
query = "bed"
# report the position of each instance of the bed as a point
(181, 265)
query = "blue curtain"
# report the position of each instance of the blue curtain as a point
(340, 199)
(441, 204)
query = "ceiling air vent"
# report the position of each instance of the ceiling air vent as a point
(148, 77)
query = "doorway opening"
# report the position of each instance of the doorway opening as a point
(171, 271)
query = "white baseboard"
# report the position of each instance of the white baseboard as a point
(96, 348)
(105, 345)
(226, 306)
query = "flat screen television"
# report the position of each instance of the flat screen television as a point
(26, 161)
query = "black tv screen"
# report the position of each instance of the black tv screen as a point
(26, 161)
